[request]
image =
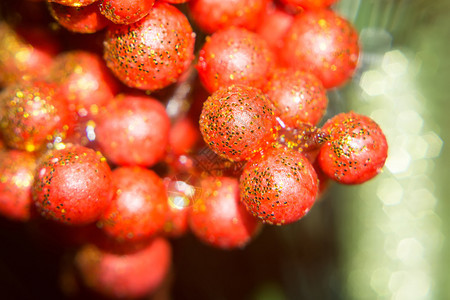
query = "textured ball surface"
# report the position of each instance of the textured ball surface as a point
(237, 122)
(26, 53)
(279, 187)
(234, 56)
(153, 52)
(310, 4)
(299, 97)
(72, 185)
(137, 209)
(84, 80)
(83, 19)
(124, 276)
(356, 149)
(274, 27)
(133, 130)
(34, 114)
(76, 3)
(125, 11)
(213, 15)
(322, 43)
(218, 218)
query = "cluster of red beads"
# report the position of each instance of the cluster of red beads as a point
(108, 144)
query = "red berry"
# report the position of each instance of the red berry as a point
(356, 149)
(323, 43)
(84, 19)
(237, 122)
(76, 3)
(26, 53)
(125, 11)
(299, 97)
(133, 130)
(16, 177)
(213, 15)
(276, 22)
(279, 187)
(72, 185)
(218, 217)
(84, 80)
(137, 210)
(34, 114)
(310, 4)
(153, 52)
(124, 276)
(234, 56)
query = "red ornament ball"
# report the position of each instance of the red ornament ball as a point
(322, 43)
(153, 52)
(34, 114)
(128, 276)
(299, 97)
(238, 121)
(279, 187)
(72, 185)
(26, 53)
(218, 218)
(234, 56)
(76, 3)
(84, 80)
(213, 15)
(137, 210)
(276, 23)
(83, 19)
(356, 149)
(133, 130)
(310, 4)
(125, 11)
(16, 178)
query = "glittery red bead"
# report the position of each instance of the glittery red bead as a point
(137, 210)
(76, 3)
(84, 19)
(310, 4)
(16, 177)
(34, 114)
(234, 56)
(299, 97)
(218, 218)
(276, 22)
(324, 44)
(153, 52)
(237, 122)
(279, 187)
(213, 15)
(125, 11)
(127, 276)
(84, 80)
(356, 149)
(26, 53)
(133, 130)
(72, 185)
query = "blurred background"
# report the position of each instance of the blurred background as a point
(386, 239)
